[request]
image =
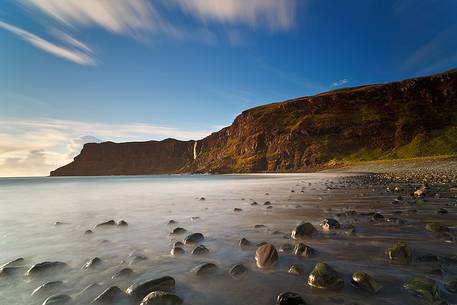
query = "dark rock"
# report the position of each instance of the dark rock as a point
(442, 211)
(244, 243)
(295, 270)
(400, 253)
(423, 287)
(87, 232)
(47, 289)
(325, 277)
(140, 290)
(194, 238)
(178, 244)
(122, 223)
(111, 295)
(124, 272)
(176, 251)
(204, 269)
(377, 217)
(267, 203)
(172, 222)
(436, 227)
(92, 264)
(365, 282)
(108, 223)
(237, 210)
(238, 271)
(18, 262)
(45, 267)
(178, 230)
(266, 256)
(200, 250)
(303, 250)
(286, 248)
(290, 298)
(161, 298)
(304, 230)
(259, 226)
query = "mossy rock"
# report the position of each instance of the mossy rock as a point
(325, 277)
(423, 287)
(436, 227)
(304, 230)
(400, 253)
(365, 282)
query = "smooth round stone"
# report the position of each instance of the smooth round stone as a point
(200, 250)
(365, 282)
(88, 232)
(423, 287)
(244, 243)
(290, 298)
(47, 288)
(204, 269)
(178, 230)
(92, 264)
(303, 230)
(177, 251)
(122, 223)
(325, 277)
(400, 253)
(330, 224)
(108, 223)
(238, 271)
(172, 222)
(161, 298)
(178, 244)
(111, 295)
(303, 250)
(61, 299)
(45, 267)
(295, 270)
(125, 272)
(140, 290)
(266, 256)
(194, 238)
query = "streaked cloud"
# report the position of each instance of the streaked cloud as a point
(340, 82)
(36, 146)
(274, 14)
(76, 51)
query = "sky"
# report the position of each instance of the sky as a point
(79, 71)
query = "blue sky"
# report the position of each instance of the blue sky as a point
(73, 71)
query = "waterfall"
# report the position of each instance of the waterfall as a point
(195, 150)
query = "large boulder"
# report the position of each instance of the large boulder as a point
(325, 277)
(303, 230)
(400, 253)
(290, 298)
(140, 290)
(194, 238)
(423, 287)
(266, 256)
(365, 282)
(161, 298)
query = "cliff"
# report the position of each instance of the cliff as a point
(411, 118)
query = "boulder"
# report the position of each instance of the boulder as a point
(423, 287)
(45, 267)
(47, 289)
(238, 271)
(365, 282)
(290, 298)
(266, 256)
(92, 264)
(303, 230)
(111, 295)
(108, 223)
(204, 269)
(161, 298)
(194, 238)
(325, 277)
(60, 299)
(200, 250)
(124, 272)
(178, 230)
(295, 270)
(400, 253)
(140, 290)
(303, 250)
(330, 224)
(177, 251)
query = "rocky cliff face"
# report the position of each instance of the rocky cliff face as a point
(411, 118)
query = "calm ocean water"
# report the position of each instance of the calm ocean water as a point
(31, 206)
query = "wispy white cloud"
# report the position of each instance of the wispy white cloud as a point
(340, 82)
(78, 53)
(275, 14)
(36, 146)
